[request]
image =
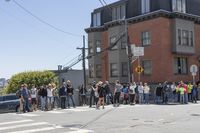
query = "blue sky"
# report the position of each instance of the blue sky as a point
(27, 44)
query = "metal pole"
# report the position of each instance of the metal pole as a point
(139, 65)
(129, 52)
(84, 70)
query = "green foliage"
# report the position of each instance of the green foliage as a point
(3, 91)
(36, 78)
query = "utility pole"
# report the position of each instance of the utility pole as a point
(83, 58)
(128, 52)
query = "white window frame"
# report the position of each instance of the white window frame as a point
(145, 6)
(97, 19)
(179, 6)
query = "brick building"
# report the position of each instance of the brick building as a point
(169, 31)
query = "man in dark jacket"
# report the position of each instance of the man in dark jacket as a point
(43, 97)
(159, 90)
(82, 93)
(62, 95)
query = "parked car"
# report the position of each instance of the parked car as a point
(9, 103)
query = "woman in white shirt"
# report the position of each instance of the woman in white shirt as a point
(146, 93)
(49, 97)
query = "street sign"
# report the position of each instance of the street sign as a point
(139, 69)
(138, 51)
(194, 70)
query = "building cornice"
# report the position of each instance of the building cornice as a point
(144, 17)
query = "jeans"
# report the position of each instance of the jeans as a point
(132, 98)
(158, 99)
(109, 99)
(116, 97)
(166, 97)
(26, 105)
(92, 99)
(186, 98)
(43, 102)
(63, 102)
(146, 98)
(83, 99)
(182, 98)
(141, 98)
(56, 102)
(72, 99)
(50, 102)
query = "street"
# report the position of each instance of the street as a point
(122, 119)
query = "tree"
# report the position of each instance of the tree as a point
(36, 78)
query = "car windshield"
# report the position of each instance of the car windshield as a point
(10, 97)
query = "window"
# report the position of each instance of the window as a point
(147, 66)
(185, 40)
(98, 71)
(179, 37)
(112, 41)
(146, 39)
(97, 19)
(191, 39)
(124, 69)
(123, 43)
(180, 65)
(98, 46)
(91, 51)
(145, 6)
(113, 70)
(91, 71)
(118, 12)
(179, 6)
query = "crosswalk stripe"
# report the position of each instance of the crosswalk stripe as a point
(23, 125)
(37, 130)
(15, 122)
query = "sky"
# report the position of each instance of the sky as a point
(27, 44)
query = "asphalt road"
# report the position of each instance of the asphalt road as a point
(123, 119)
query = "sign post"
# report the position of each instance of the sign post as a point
(193, 70)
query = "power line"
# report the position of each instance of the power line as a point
(44, 22)
(101, 3)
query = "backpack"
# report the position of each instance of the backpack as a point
(18, 93)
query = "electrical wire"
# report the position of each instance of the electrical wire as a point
(44, 22)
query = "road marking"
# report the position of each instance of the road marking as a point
(23, 125)
(15, 122)
(28, 114)
(38, 130)
(77, 130)
(55, 112)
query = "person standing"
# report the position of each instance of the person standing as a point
(19, 95)
(182, 91)
(166, 92)
(117, 92)
(49, 97)
(25, 95)
(109, 97)
(62, 95)
(146, 93)
(70, 93)
(125, 94)
(141, 93)
(56, 101)
(132, 90)
(92, 94)
(190, 87)
(82, 93)
(101, 92)
(43, 97)
(34, 98)
(194, 93)
(159, 90)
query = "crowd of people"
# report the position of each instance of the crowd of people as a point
(45, 97)
(164, 93)
(48, 97)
